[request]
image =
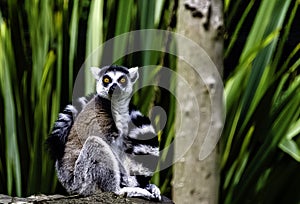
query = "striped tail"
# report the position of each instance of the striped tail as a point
(142, 144)
(59, 135)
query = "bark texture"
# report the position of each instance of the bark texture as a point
(196, 174)
(105, 197)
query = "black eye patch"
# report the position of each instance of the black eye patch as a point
(123, 80)
(106, 80)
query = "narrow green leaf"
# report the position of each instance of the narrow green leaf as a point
(158, 11)
(234, 36)
(13, 166)
(124, 18)
(290, 147)
(73, 32)
(94, 40)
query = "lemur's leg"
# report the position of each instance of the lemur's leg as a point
(96, 168)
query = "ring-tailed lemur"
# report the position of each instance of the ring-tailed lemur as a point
(109, 146)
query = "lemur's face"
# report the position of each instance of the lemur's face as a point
(115, 81)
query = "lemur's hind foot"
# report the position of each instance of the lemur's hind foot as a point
(140, 192)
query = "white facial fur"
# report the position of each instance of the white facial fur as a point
(126, 89)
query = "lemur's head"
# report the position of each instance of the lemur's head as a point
(115, 81)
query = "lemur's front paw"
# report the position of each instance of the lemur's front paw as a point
(154, 190)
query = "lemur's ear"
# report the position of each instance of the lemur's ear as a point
(133, 74)
(96, 72)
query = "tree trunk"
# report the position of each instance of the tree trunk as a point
(196, 174)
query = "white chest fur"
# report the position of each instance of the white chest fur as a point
(121, 117)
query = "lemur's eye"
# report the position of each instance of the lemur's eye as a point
(106, 80)
(123, 80)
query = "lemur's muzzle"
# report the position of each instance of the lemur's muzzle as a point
(114, 89)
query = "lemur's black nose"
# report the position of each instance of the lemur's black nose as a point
(112, 89)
